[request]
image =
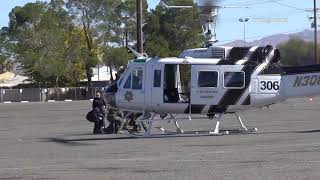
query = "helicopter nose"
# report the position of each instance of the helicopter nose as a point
(110, 94)
(111, 99)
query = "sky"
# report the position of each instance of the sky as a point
(266, 17)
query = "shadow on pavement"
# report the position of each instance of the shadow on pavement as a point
(80, 141)
(288, 132)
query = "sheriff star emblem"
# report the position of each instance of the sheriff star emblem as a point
(128, 96)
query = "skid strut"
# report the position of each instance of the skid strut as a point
(179, 130)
(148, 131)
(216, 129)
(242, 126)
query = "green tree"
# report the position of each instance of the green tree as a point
(40, 31)
(126, 13)
(116, 57)
(296, 52)
(118, 29)
(170, 31)
(91, 14)
(75, 54)
(6, 63)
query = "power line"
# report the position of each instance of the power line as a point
(266, 2)
(251, 3)
(247, 3)
(293, 7)
(287, 14)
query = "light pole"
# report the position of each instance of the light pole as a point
(244, 20)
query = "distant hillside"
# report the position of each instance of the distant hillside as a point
(276, 39)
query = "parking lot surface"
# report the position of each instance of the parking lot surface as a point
(54, 141)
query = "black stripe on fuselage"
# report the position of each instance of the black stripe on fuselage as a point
(232, 96)
(247, 100)
(271, 67)
(195, 109)
(226, 62)
(237, 53)
(217, 109)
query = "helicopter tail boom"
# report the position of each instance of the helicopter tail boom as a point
(301, 81)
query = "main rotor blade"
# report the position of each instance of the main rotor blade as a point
(208, 3)
(208, 6)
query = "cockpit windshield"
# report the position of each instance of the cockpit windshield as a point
(122, 76)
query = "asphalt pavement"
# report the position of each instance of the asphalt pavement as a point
(54, 141)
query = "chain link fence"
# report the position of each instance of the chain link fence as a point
(49, 94)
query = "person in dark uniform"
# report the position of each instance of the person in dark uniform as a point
(99, 107)
(95, 117)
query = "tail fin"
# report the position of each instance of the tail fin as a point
(301, 81)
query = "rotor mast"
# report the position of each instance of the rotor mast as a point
(208, 20)
(208, 10)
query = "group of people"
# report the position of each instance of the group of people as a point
(115, 118)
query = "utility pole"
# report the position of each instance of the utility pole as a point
(315, 32)
(139, 26)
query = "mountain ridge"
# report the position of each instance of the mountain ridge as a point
(276, 39)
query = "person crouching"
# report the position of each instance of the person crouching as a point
(96, 117)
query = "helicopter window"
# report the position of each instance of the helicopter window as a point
(208, 79)
(234, 79)
(120, 80)
(137, 75)
(157, 78)
(127, 85)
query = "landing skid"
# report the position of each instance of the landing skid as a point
(167, 133)
(207, 132)
(197, 132)
(241, 131)
(179, 132)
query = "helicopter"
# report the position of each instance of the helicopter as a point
(213, 81)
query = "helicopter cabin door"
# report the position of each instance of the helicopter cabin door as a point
(205, 85)
(157, 85)
(220, 85)
(133, 88)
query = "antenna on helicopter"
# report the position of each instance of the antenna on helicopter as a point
(208, 10)
(137, 54)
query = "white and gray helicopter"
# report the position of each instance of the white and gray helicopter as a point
(211, 81)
